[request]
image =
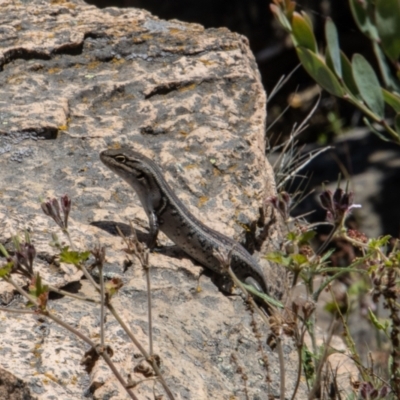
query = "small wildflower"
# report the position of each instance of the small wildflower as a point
(22, 259)
(26, 255)
(369, 392)
(52, 209)
(282, 203)
(66, 207)
(338, 205)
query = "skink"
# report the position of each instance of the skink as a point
(168, 214)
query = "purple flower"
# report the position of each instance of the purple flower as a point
(338, 205)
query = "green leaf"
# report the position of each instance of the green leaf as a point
(397, 123)
(16, 242)
(302, 33)
(392, 99)
(306, 237)
(299, 259)
(307, 19)
(358, 288)
(389, 80)
(3, 251)
(278, 258)
(320, 72)
(328, 60)
(36, 288)
(40, 292)
(368, 85)
(327, 255)
(362, 11)
(387, 17)
(308, 363)
(377, 133)
(378, 325)
(281, 17)
(348, 78)
(332, 307)
(332, 40)
(73, 257)
(5, 270)
(291, 236)
(378, 243)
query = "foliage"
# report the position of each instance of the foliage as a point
(21, 261)
(354, 81)
(374, 272)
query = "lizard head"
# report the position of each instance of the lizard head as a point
(137, 170)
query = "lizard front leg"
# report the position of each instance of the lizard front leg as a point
(154, 229)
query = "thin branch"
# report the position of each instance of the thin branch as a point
(71, 329)
(147, 356)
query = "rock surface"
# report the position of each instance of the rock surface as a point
(75, 80)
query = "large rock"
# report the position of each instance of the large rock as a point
(76, 80)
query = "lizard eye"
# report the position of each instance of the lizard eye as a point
(121, 159)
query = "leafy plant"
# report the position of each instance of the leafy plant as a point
(354, 81)
(22, 262)
(375, 272)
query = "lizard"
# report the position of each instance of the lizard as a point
(167, 213)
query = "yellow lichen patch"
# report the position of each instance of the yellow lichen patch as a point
(62, 127)
(207, 62)
(202, 200)
(64, 3)
(116, 197)
(51, 377)
(229, 47)
(192, 125)
(190, 166)
(174, 31)
(93, 64)
(216, 172)
(54, 70)
(117, 61)
(188, 87)
(16, 80)
(137, 40)
(232, 168)
(115, 146)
